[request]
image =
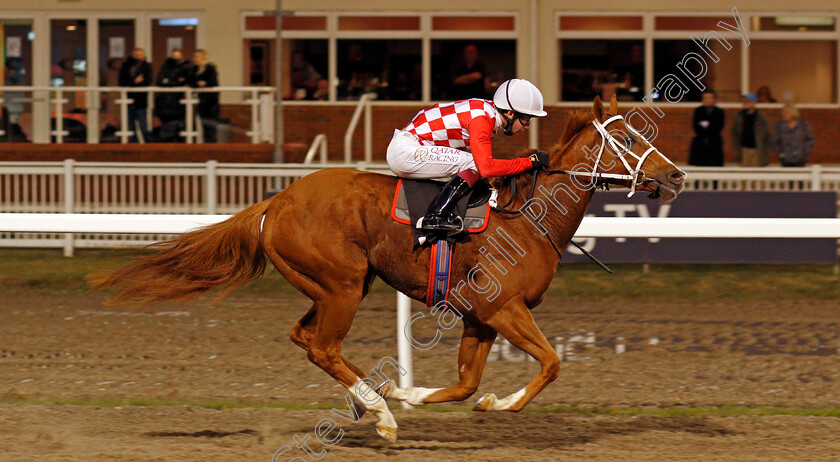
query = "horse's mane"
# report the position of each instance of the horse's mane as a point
(576, 121)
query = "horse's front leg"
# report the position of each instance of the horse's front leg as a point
(515, 323)
(472, 356)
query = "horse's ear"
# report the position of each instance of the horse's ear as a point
(613, 110)
(598, 108)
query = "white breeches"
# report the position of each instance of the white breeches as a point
(409, 158)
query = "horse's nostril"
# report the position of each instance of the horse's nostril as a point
(677, 177)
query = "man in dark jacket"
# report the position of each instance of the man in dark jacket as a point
(173, 73)
(707, 145)
(751, 134)
(137, 72)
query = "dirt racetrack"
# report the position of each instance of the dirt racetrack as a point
(124, 370)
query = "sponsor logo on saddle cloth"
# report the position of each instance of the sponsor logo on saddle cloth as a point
(437, 155)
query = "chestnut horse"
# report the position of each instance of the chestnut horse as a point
(330, 234)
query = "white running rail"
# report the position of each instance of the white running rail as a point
(214, 188)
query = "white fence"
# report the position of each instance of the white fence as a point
(213, 188)
(62, 100)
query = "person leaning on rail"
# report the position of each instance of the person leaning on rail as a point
(452, 141)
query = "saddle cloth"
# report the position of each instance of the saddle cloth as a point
(412, 199)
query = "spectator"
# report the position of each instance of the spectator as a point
(357, 74)
(707, 145)
(322, 92)
(137, 72)
(173, 73)
(13, 105)
(764, 95)
(793, 139)
(751, 134)
(304, 77)
(203, 75)
(471, 79)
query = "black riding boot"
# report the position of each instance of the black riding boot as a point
(441, 216)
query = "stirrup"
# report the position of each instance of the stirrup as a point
(448, 229)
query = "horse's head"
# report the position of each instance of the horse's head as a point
(621, 155)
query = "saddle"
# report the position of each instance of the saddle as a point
(411, 201)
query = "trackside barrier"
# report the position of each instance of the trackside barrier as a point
(590, 227)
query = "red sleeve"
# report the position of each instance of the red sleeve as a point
(481, 128)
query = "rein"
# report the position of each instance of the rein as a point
(635, 175)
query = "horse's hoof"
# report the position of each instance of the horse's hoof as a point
(388, 433)
(484, 403)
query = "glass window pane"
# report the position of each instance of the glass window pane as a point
(305, 62)
(16, 115)
(455, 62)
(601, 23)
(690, 22)
(795, 23)
(602, 67)
(68, 52)
(473, 23)
(378, 23)
(116, 42)
(724, 76)
(389, 68)
(167, 37)
(289, 23)
(809, 78)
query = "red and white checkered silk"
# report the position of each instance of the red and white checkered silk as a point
(447, 124)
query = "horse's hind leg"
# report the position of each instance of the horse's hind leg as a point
(301, 335)
(332, 319)
(472, 356)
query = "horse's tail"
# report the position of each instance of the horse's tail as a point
(225, 254)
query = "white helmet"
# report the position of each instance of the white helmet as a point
(521, 96)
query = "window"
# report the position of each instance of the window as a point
(171, 33)
(600, 23)
(68, 52)
(723, 76)
(389, 68)
(608, 67)
(15, 118)
(454, 62)
(306, 64)
(794, 23)
(802, 70)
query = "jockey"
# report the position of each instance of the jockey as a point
(452, 141)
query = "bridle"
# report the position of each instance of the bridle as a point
(635, 175)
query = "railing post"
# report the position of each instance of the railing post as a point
(210, 193)
(189, 131)
(403, 344)
(354, 120)
(59, 116)
(324, 150)
(2, 132)
(256, 113)
(93, 98)
(368, 133)
(124, 132)
(69, 200)
(816, 177)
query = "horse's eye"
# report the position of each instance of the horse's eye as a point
(628, 141)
